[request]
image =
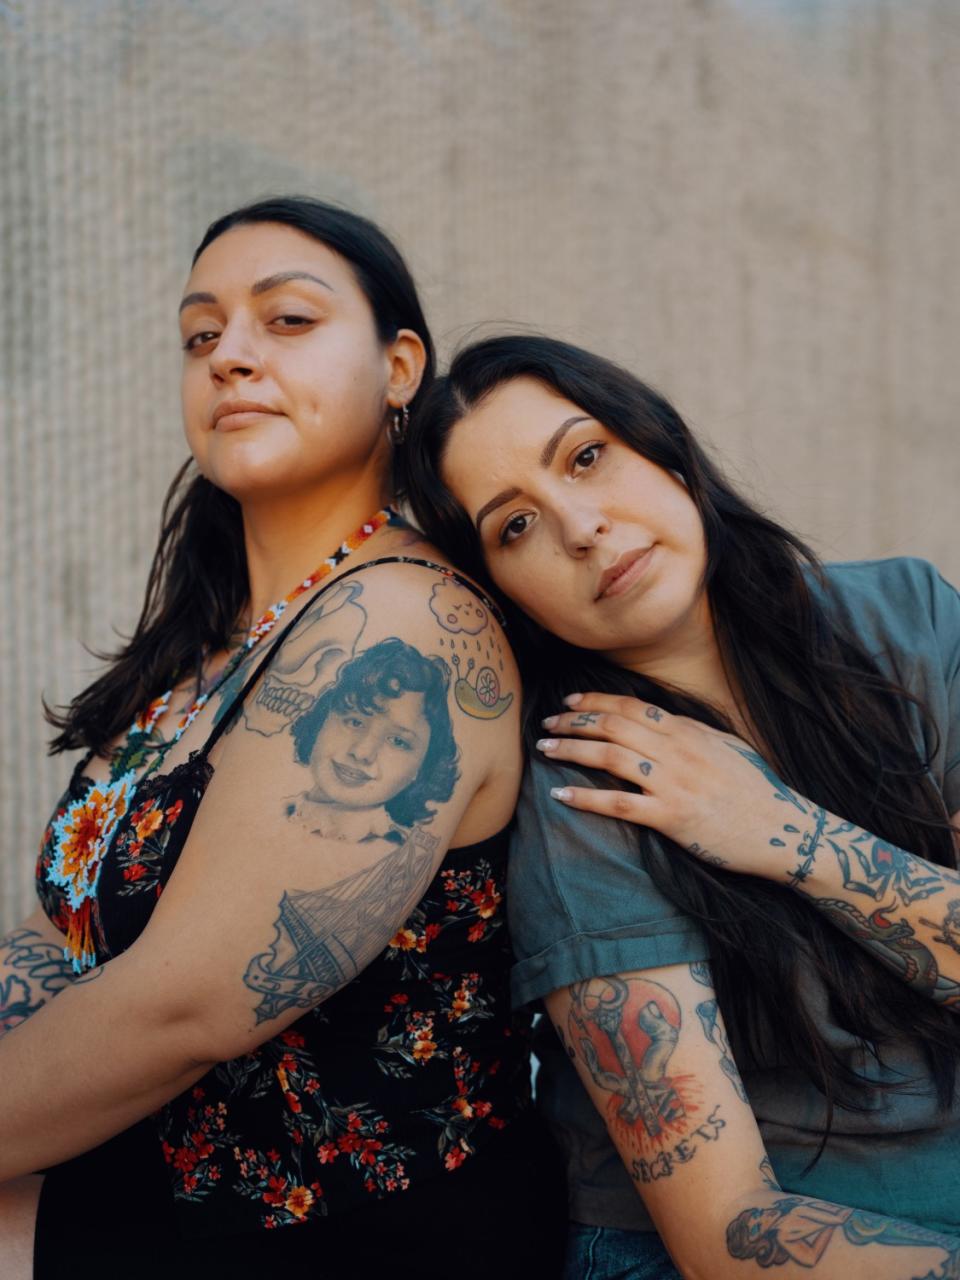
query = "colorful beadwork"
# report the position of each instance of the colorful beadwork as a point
(83, 832)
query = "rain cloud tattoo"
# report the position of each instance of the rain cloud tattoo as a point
(472, 648)
(324, 937)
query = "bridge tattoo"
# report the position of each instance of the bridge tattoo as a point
(324, 937)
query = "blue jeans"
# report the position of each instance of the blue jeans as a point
(605, 1253)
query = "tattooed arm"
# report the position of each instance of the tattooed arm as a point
(334, 798)
(32, 969)
(651, 1049)
(723, 803)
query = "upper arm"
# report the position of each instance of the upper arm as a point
(320, 830)
(581, 894)
(651, 1049)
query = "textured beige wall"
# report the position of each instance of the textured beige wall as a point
(753, 204)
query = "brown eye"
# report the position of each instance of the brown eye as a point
(513, 529)
(587, 457)
(199, 340)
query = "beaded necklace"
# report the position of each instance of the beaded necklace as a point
(82, 834)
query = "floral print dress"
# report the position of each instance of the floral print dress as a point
(402, 1076)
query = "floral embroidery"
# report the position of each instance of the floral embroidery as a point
(82, 835)
(407, 1071)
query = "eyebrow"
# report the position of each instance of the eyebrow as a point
(550, 448)
(492, 505)
(261, 286)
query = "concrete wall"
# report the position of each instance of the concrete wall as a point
(752, 204)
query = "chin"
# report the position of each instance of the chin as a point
(250, 480)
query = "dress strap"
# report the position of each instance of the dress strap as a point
(225, 720)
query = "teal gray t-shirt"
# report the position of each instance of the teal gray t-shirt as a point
(582, 905)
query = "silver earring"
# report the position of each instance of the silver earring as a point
(399, 425)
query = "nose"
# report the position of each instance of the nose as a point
(583, 525)
(363, 748)
(235, 356)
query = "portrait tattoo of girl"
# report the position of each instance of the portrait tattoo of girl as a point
(379, 744)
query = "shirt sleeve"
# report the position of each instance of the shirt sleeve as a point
(580, 900)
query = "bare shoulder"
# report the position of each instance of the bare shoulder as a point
(411, 637)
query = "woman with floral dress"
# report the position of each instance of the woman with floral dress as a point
(235, 1038)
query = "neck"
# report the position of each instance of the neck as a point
(690, 661)
(286, 540)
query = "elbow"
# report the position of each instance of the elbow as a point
(193, 1027)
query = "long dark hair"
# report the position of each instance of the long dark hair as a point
(197, 587)
(838, 731)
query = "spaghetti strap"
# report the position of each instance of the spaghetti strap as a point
(227, 718)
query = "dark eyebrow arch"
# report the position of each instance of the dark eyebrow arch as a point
(283, 277)
(262, 286)
(192, 300)
(492, 505)
(550, 448)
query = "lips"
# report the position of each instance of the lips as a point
(624, 571)
(350, 777)
(230, 408)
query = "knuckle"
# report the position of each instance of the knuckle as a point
(621, 805)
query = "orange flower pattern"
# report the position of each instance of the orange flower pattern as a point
(412, 1067)
(409, 1069)
(404, 1073)
(81, 835)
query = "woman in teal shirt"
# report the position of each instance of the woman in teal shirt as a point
(744, 916)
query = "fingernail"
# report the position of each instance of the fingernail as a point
(547, 744)
(549, 721)
(561, 793)
(572, 699)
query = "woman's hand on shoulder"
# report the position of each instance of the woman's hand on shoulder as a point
(708, 791)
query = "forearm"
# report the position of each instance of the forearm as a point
(97, 1060)
(901, 909)
(32, 970)
(772, 1229)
